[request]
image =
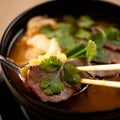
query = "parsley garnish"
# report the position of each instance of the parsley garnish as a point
(113, 35)
(85, 22)
(71, 75)
(82, 33)
(54, 85)
(99, 39)
(82, 51)
(51, 64)
(63, 34)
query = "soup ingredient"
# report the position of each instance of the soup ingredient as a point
(63, 34)
(82, 33)
(38, 80)
(87, 101)
(82, 51)
(54, 85)
(43, 44)
(51, 64)
(35, 77)
(85, 21)
(39, 42)
(113, 35)
(34, 24)
(71, 75)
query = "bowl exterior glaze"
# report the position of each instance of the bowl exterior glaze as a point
(97, 9)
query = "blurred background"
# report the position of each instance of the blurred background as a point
(9, 9)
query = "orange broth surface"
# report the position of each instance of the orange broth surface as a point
(95, 98)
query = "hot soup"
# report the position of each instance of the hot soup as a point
(67, 37)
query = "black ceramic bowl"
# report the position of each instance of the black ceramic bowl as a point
(95, 8)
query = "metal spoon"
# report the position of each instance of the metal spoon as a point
(17, 68)
(12, 66)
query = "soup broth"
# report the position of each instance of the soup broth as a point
(95, 98)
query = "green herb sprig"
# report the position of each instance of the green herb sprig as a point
(54, 85)
(51, 64)
(83, 51)
(113, 35)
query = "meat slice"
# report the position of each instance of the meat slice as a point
(82, 62)
(36, 75)
(79, 62)
(64, 95)
(107, 74)
(111, 46)
(113, 56)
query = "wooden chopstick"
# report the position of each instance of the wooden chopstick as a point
(99, 67)
(107, 83)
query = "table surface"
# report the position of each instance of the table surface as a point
(9, 9)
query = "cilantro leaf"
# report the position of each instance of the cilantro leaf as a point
(113, 35)
(71, 75)
(85, 22)
(65, 40)
(98, 37)
(65, 27)
(52, 85)
(63, 34)
(51, 64)
(69, 53)
(82, 33)
(101, 56)
(82, 51)
(48, 31)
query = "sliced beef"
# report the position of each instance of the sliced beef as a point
(82, 62)
(106, 74)
(36, 75)
(111, 46)
(64, 95)
(113, 56)
(83, 74)
(79, 62)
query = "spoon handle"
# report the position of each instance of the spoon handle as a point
(9, 63)
(12, 66)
